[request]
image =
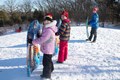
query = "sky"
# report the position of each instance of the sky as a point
(2, 1)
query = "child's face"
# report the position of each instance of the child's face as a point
(63, 17)
(46, 22)
(94, 11)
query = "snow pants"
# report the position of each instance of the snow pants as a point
(63, 51)
(47, 65)
(93, 33)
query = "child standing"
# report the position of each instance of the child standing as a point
(47, 42)
(64, 32)
(94, 22)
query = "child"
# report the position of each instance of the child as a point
(94, 25)
(19, 30)
(47, 42)
(64, 32)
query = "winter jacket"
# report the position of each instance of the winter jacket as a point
(33, 32)
(59, 21)
(64, 30)
(94, 21)
(47, 40)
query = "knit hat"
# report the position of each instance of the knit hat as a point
(65, 13)
(48, 17)
(95, 9)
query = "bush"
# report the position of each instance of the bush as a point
(3, 18)
(38, 15)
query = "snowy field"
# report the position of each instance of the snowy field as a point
(86, 61)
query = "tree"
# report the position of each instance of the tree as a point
(26, 10)
(10, 5)
(3, 18)
(38, 15)
(27, 6)
(114, 9)
(39, 4)
(16, 18)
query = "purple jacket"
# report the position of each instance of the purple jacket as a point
(47, 40)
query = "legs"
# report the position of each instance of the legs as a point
(95, 36)
(47, 66)
(93, 33)
(66, 52)
(63, 52)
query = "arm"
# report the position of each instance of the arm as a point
(39, 33)
(29, 35)
(94, 19)
(61, 30)
(45, 36)
(59, 23)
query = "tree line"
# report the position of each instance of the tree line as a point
(15, 12)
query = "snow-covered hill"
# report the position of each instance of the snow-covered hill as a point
(86, 61)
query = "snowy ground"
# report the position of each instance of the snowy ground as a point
(86, 61)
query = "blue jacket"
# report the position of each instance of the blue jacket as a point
(94, 22)
(32, 30)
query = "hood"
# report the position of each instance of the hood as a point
(66, 21)
(52, 26)
(31, 26)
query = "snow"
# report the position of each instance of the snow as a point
(86, 61)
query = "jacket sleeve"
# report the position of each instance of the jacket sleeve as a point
(59, 22)
(45, 36)
(94, 20)
(61, 29)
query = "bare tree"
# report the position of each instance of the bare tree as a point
(39, 4)
(27, 6)
(2, 7)
(10, 5)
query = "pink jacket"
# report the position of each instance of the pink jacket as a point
(47, 40)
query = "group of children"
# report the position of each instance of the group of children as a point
(47, 41)
(49, 33)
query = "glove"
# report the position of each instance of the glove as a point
(56, 34)
(39, 34)
(30, 41)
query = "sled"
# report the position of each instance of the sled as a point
(34, 58)
(56, 46)
(87, 31)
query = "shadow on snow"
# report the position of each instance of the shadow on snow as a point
(77, 41)
(13, 69)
